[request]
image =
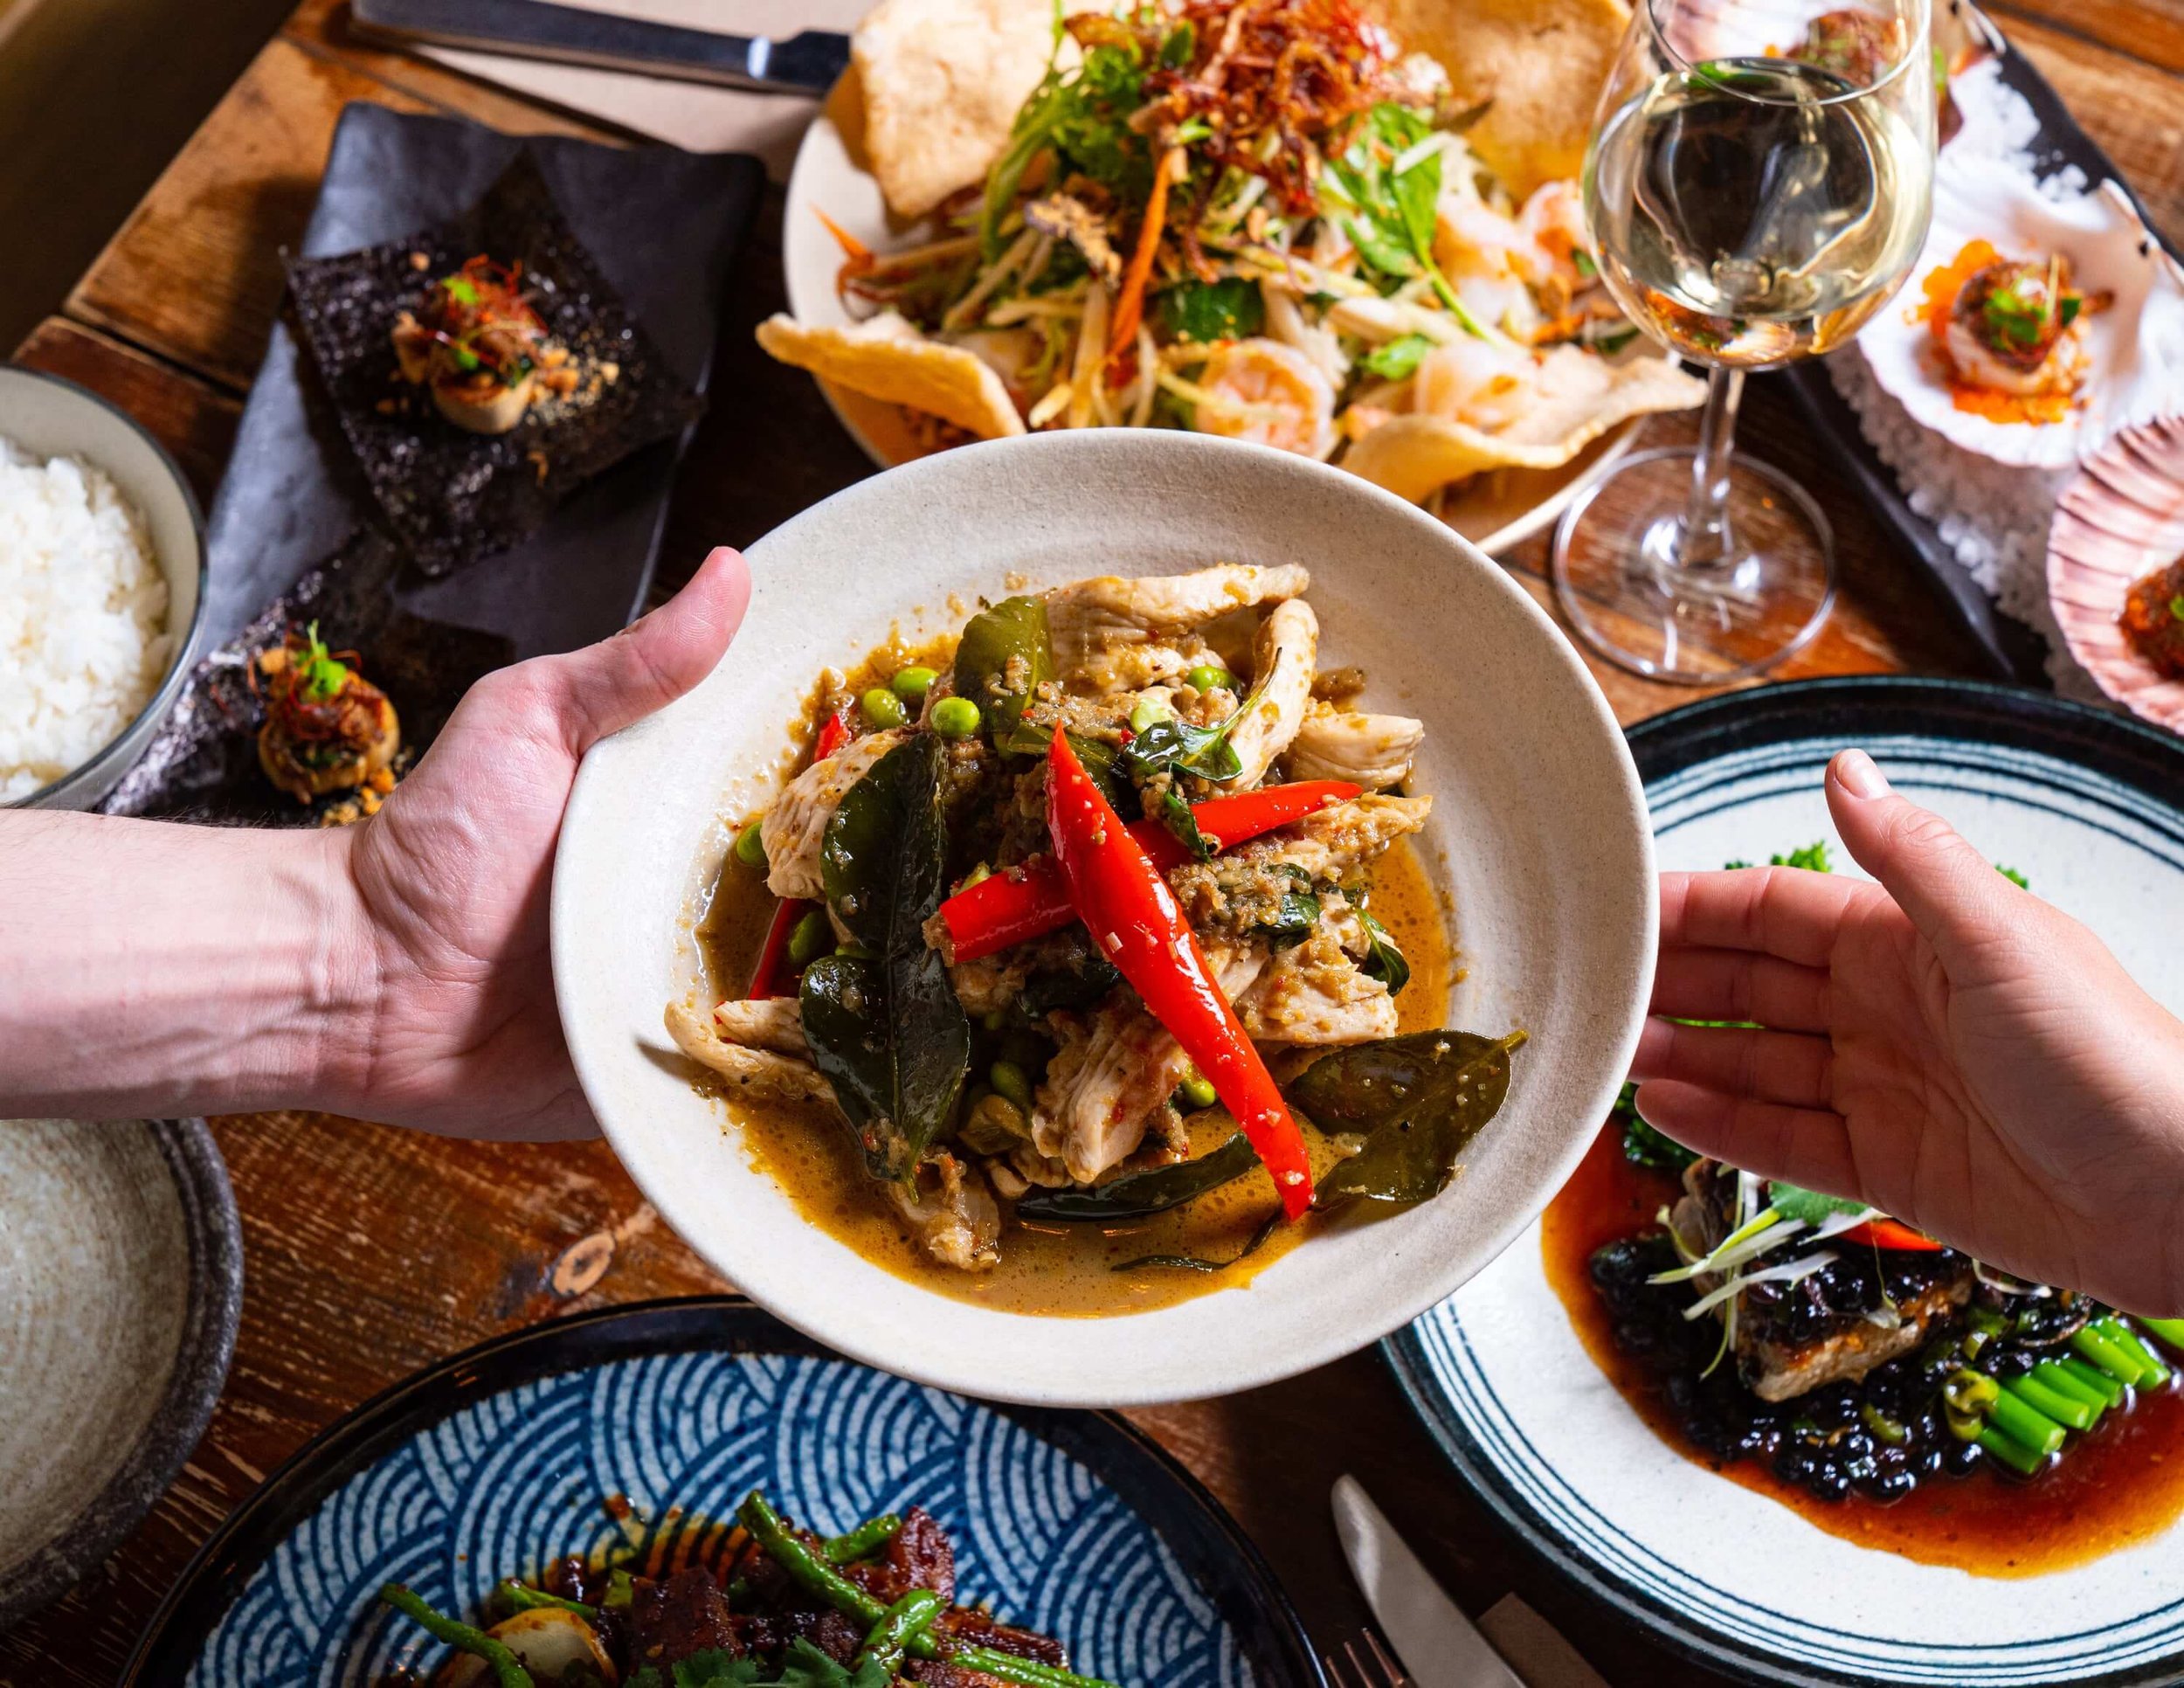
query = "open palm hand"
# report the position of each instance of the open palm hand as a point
(1941, 1045)
(453, 873)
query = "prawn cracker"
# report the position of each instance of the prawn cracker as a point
(1537, 66)
(943, 81)
(447, 494)
(203, 765)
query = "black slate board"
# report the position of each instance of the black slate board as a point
(664, 226)
(2012, 650)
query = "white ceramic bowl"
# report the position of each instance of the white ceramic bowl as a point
(1538, 834)
(49, 417)
(1496, 512)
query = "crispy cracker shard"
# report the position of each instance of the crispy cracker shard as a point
(889, 359)
(448, 493)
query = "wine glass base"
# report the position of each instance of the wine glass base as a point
(1617, 583)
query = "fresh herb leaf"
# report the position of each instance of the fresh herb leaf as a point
(1399, 359)
(1417, 1100)
(1139, 1195)
(1581, 260)
(2013, 877)
(1293, 917)
(460, 288)
(1383, 961)
(321, 675)
(2176, 607)
(885, 1027)
(1792, 1202)
(1174, 745)
(1178, 46)
(1004, 655)
(1177, 816)
(1231, 308)
(1643, 1143)
(1812, 858)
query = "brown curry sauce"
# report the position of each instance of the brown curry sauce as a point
(2119, 1484)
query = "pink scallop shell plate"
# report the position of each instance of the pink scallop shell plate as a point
(2120, 518)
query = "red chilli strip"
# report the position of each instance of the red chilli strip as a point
(1136, 923)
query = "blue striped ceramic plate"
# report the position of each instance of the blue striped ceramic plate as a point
(2091, 806)
(502, 1460)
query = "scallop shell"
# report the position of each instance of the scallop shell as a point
(2135, 349)
(2121, 517)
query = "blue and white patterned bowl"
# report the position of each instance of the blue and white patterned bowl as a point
(2089, 806)
(502, 1460)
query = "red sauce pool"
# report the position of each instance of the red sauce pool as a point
(2119, 1484)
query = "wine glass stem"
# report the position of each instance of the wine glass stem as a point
(1705, 541)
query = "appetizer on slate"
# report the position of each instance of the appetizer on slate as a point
(481, 371)
(480, 349)
(328, 728)
(1095, 935)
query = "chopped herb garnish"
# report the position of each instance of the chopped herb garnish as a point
(1399, 358)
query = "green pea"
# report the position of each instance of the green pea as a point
(1196, 1090)
(809, 938)
(750, 848)
(955, 717)
(994, 1019)
(1011, 1081)
(911, 684)
(1146, 713)
(881, 709)
(1207, 678)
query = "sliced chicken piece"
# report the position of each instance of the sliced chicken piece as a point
(796, 825)
(1237, 888)
(1313, 993)
(955, 1213)
(761, 1074)
(1115, 1070)
(773, 1023)
(1372, 750)
(1112, 635)
(1283, 657)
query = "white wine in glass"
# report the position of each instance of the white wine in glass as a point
(1757, 187)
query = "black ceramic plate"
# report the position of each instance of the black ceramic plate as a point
(663, 227)
(2090, 805)
(2012, 650)
(499, 1460)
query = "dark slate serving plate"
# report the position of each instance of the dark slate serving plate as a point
(665, 227)
(2012, 650)
(498, 1460)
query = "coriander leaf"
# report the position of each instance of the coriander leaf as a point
(2013, 877)
(1383, 961)
(1231, 308)
(1813, 857)
(714, 1668)
(1399, 358)
(1793, 1203)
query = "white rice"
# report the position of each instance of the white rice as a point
(1993, 516)
(82, 617)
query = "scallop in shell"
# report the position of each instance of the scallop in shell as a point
(2128, 341)
(2120, 518)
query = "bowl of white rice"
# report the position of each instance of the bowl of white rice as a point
(102, 590)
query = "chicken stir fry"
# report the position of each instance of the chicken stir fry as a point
(1043, 906)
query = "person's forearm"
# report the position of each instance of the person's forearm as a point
(150, 968)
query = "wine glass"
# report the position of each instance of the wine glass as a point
(1757, 186)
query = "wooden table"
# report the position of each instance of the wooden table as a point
(373, 1252)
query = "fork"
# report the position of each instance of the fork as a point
(1370, 1665)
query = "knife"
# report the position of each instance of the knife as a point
(805, 63)
(1436, 1642)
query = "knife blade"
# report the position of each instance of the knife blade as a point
(805, 63)
(1437, 1644)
